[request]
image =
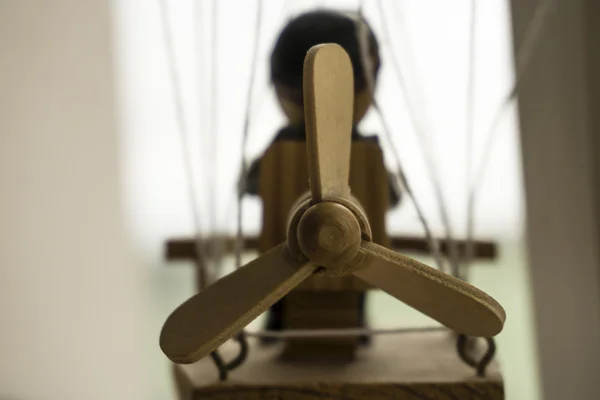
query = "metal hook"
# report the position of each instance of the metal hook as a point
(220, 364)
(223, 367)
(481, 365)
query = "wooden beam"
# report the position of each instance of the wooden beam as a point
(408, 366)
(185, 249)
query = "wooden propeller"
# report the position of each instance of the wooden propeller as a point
(329, 234)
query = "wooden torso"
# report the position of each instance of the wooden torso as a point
(321, 302)
(284, 178)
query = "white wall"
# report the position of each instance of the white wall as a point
(71, 297)
(431, 40)
(559, 116)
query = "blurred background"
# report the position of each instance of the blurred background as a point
(97, 96)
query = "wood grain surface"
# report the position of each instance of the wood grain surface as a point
(454, 303)
(328, 85)
(218, 312)
(421, 366)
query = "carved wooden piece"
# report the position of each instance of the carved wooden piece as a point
(455, 303)
(218, 312)
(329, 235)
(328, 88)
(284, 178)
(179, 249)
(414, 366)
(205, 321)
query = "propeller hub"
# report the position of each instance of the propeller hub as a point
(329, 235)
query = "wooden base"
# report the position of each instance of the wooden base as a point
(405, 366)
(336, 310)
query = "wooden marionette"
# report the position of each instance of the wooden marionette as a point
(329, 235)
(287, 60)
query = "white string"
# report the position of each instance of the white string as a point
(462, 271)
(362, 38)
(425, 148)
(532, 34)
(207, 274)
(183, 131)
(362, 33)
(256, 108)
(200, 81)
(403, 182)
(361, 7)
(202, 90)
(287, 8)
(531, 37)
(239, 243)
(216, 245)
(349, 332)
(433, 242)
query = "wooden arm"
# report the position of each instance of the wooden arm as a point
(185, 249)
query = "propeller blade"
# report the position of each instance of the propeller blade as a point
(328, 106)
(452, 302)
(217, 313)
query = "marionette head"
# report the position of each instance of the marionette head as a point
(318, 27)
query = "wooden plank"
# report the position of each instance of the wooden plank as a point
(184, 248)
(454, 303)
(328, 88)
(405, 366)
(230, 304)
